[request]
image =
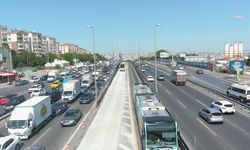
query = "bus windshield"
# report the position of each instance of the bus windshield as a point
(161, 139)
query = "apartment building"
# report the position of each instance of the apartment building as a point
(68, 48)
(50, 45)
(3, 34)
(19, 40)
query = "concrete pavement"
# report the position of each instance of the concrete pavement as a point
(112, 129)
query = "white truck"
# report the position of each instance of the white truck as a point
(52, 76)
(29, 116)
(179, 77)
(71, 90)
(87, 80)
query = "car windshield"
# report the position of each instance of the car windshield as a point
(217, 114)
(57, 105)
(69, 114)
(17, 124)
(67, 93)
(85, 82)
(228, 105)
(36, 91)
(86, 96)
(34, 86)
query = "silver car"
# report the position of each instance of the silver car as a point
(211, 115)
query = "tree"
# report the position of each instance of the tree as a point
(5, 46)
(159, 51)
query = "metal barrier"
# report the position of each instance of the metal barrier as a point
(182, 144)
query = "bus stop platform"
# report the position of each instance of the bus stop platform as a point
(113, 126)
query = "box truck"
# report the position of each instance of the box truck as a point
(179, 77)
(52, 76)
(71, 90)
(87, 80)
(29, 116)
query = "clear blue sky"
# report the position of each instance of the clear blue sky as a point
(187, 25)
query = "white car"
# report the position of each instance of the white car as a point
(150, 79)
(143, 70)
(34, 87)
(224, 106)
(34, 80)
(37, 92)
(10, 142)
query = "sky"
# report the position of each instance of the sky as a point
(186, 25)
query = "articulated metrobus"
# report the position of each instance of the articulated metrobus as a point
(158, 129)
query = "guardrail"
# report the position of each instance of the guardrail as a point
(223, 95)
(181, 142)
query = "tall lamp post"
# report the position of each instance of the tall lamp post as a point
(155, 27)
(93, 31)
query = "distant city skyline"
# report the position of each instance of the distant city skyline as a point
(190, 26)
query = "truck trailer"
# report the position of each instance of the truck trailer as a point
(71, 90)
(179, 77)
(29, 116)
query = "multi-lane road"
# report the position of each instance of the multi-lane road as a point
(52, 136)
(184, 102)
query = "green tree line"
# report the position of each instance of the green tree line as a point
(28, 59)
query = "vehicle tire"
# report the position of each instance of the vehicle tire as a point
(212, 106)
(17, 147)
(241, 99)
(228, 95)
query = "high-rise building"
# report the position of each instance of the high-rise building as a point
(19, 40)
(3, 34)
(233, 51)
(68, 48)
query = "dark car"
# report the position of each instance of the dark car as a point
(71, 117)
(35, 148)
(161, 77)
(10, 105)
(199, 71)
(44, 78)
(21, 82)
(59, 107)
(42, 85)
(55, 95)
(86, 98)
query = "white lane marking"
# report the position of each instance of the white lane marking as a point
(207, 127)
(200, 103)
(168, 91)
(80, 124)
(181, 103)
(41, 136)
(237, 127)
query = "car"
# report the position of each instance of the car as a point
(10, 105)
(59, 107)
(150, 79)
(161, 77)
(34, 87)
(85, 83)
(54, 94)
(86, 98)
(199, 71)
(37, 92)
(41, 84)
(10, 142)
(44, 78)
(35, 148)
(211, 115)
(224, 107)
(180, 67)
(6, 98)
(21, 82)
(71, 117)
(34, 80)
(55, 84)
(143, 70)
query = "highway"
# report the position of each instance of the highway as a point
(184, 102)
(52, 136)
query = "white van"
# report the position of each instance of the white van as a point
(240, 91)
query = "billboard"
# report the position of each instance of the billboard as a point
(164, 55)
(236, 65)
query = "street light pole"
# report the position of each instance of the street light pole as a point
(93, 35)
(155, 27)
